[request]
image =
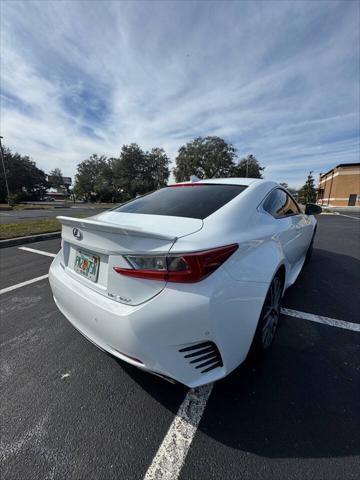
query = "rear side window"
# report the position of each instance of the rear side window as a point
(279, 204)
(194, 201)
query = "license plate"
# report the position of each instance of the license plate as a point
(87, 265)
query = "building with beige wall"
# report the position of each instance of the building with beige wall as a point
(340, 187)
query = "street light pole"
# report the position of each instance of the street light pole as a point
(5, 176)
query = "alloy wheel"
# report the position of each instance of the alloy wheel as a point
(272, 313)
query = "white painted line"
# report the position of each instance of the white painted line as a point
(332, 322)
(40, 252)
(28, 282)
(172, 452)
(348, 216)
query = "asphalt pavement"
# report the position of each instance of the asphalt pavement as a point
(70, 411)
(18, 216)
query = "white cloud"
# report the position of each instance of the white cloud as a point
(277, 79)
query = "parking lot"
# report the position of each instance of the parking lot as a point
(70, 411)
(19, 216)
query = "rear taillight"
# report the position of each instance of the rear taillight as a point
(182, 268)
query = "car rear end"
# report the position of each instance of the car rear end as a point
(121, 280)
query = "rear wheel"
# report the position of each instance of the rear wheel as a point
(269, 318)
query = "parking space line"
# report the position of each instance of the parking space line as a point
(332, 322)
(348, 216)
(22, 284)
(172, 452)
(40, 252)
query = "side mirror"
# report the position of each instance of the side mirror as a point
(312, 209)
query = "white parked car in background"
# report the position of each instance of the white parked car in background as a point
(184, 282)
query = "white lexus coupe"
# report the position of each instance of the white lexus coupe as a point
(186, 281)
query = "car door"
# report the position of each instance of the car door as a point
(301, 228)
(292, 227)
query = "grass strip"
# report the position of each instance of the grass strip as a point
(29, 227)
(32, 227)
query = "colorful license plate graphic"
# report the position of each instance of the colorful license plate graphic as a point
(87, 265)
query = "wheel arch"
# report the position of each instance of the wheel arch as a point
(257, 261)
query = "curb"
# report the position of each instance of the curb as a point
(11, 242)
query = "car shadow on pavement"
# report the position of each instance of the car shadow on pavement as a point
(302, 400)
(168, 394)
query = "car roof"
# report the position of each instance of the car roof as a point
(229, 181)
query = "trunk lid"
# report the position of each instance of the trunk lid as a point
(103, 239)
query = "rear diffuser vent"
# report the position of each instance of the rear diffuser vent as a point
(203, 355)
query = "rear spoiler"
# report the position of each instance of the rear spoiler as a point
(95, 225)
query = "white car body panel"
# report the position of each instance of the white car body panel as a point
(146, 322)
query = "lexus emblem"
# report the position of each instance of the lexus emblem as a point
(77, 233)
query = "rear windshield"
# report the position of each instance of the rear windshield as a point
(195, 201)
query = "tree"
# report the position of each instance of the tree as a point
(284, 185)
(156, 171)
(209, 157)
(55, 179)
(307, 193)
(104, 184)
(128, 171)
(137, 172)
(248, 167)
(26, 181)
(94, 179)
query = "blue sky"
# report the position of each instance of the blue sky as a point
(278, 79)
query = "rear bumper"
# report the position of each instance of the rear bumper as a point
(150, 335)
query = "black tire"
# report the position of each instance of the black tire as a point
(310, 249)
(269, 319)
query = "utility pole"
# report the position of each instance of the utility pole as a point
(5, 176)
(247, 166)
